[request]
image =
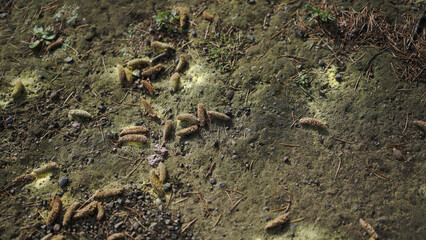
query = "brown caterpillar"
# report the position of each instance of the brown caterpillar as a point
(218, 115)
(398, 155)
(174, 81)
(312, 122)
(58, 237)
(278, 221)
(157, 68)
(207, 16)
(108, 193)
(148, 87)
(69, 213)
(367, 227)
(138, 63)
(22, 180)
(188, 118)
(420, 124)
(78, 114)
(162, 172)
(46, 168)
(116, 236)
(86, 211)
(54, 213)
(183, 18)
(160, 45)
(149, 109)
(202, 115)
(187, 131)
(182, 63)
(168, 129)
(135, 138)
(155, 183)
(129, 75)
(101, 211)
(121, 75)
(18, 90)
(54, 45)
(134, 130)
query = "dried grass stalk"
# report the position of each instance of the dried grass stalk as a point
(55, 211)
(187, 118)
(420, 124)
(276, 222)
(134, 130)
(148, 87)
(132, 138)
(182, 63)
(168, 130)
(149, 109)
(45, 168)
(367, 227)
(207, 16)
(138, 63)
(116, 236)
(162, 172)
(312, 122)
(101, 211)
(218, 115)
(202, 115)
(108, 193)
(69, 213)
(156, 69)
(88, 210)
(187, 131)
(174, 81)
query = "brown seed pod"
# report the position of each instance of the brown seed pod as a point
(101, 211)
(138, 63)
(134, 130)
(108, 193)
(187, 131)
(54, 45)
(77, 114)
(168, 129)
(182, 63)
(207, 16)
(202, 115)
(156, 69)
(367, 227)
(276, 222)
(89, 209)
(116, 236)
(156, 183)
(45, 168)
(122, 75)
(218, 115)
(160, 46)
(148, 87)
(398, 155)
(132, 138)
(69, 213)
(420, 124)
(149, 109)
(55, 211)
(312, 122)
(22, 180)
(187, 118)
(18, 90)
(162, 172)
(174, 81)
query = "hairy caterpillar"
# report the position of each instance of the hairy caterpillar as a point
(148, 87)
(168, 129)
(207, 16)
(101, 211)
(54, 213)
(188, 118)
(174, 81)
(312, 122)
(108, 193)
(218, 115)
(278, 221)
(22, 180)
(187, 131)
(138, 63)
(86, 211)
(132, 138)
(182, 63)
(134, 130)
(160, 45)
(46, 168)
(18, 90)
(54, 45)
(156, 183)
(116, 236)
(78, 114)
(148, 108)
(420, 124)
(162, 172)
(367, 227)
(121, 75)
(69, 213)
(202, 115)
(157, 68)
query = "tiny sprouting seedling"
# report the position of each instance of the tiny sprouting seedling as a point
(303, 81)
(168, 20)
(322, 16)
(45, 35)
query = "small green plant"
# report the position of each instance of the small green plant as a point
(168, 20)
(303, 81)
(45, 35)
(320, 15)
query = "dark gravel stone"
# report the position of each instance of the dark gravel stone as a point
(222, 184)
(212, 181)
(69, 60)
(338, 77)
(63, 181)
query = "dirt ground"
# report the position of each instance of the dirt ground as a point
(259, 63)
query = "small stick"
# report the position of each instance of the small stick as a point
(210, 170)
(378, 174)
(202, 201)
(338, 168)
(289, 145)
(235, 205)
(217, 221)
(297, 220)
(250, 166)
(293, 124)
(64, 134)
(357, 81)
(343, 140)
(179, 201)
(188, 225)
(281, 208)
(406, 124)
(232, 190)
